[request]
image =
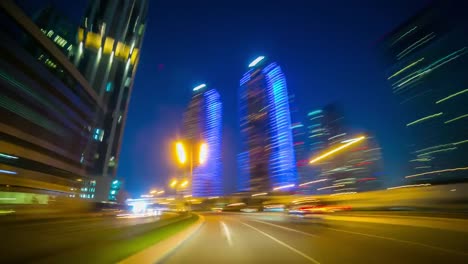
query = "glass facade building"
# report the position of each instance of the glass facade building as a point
(64, 96)
(265, 125)
(427, 66)
(203, 124)
(47, 110)
(109, 41)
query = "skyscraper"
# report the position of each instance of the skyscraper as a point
(109, 43)
(352, 168)
(47, 110)
(427, 62)
(64, 119)
(203, 123)
(265, 125)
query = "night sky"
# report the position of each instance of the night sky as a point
(327, 50)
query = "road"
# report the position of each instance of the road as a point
(276, 238)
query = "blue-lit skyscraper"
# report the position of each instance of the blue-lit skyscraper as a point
(202, 123)
(267, 153)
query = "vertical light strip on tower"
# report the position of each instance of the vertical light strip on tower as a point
(207, 177)
(282, 161)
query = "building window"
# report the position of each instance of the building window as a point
(109, 87)
(98, 134)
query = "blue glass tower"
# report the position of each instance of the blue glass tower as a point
(203, 124)
(265, 124)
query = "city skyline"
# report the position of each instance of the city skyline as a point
(158, 78)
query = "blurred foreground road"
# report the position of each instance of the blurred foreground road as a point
(278, 238)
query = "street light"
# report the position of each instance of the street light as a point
(181, 155)
(203, 153)
(173, 183)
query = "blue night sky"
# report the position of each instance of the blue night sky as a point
(327, 50)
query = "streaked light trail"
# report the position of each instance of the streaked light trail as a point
(451, 96)
(311, 182)
(424, 118)
(437, 171)
(337, 149)
(283, 187)
(259, 194)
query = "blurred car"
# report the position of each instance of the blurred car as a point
(249, 209)
(217, 209)
(310, 209)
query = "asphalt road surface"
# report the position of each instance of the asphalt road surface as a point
(277, 238)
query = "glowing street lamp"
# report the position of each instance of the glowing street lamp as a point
(181, 155)
(203, 153)
(184, 184)
(173, 183)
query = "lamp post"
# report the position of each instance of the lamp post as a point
(186, 151)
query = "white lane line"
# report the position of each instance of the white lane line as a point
(227, 232)
(283, 244)
(286, 228)
(401, 241)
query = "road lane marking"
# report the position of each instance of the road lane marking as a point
(286, 228)
(283, 244)
(227, 232)
(401, 241)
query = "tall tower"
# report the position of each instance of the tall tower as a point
(203, 123)
(265, 125)
(108, 49)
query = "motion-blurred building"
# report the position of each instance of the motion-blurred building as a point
(109, 42)
(427, 61)
(57, 28)
(203, 124)
(60, 131)
(300, 141)
(47, 112)
(265, 125)
(349, 164)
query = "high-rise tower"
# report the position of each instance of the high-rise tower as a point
(108, 49)
(265, 125)
(202, 124)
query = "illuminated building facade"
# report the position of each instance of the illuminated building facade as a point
(427, 62)
(58, 29)
(353, 168)
(62, 119)
(300, 142)
(47, 111)
(265, 125)
(109, 41)
(203, 123)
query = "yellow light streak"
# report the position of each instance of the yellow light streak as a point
(405, 68)
(358, 139)
(424, 118)
(452, 95)
(437, 171)
(455, 119)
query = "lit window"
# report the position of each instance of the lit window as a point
(109, 87)
(113, 192)
(98, 134)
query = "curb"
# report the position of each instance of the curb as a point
(162, 249)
